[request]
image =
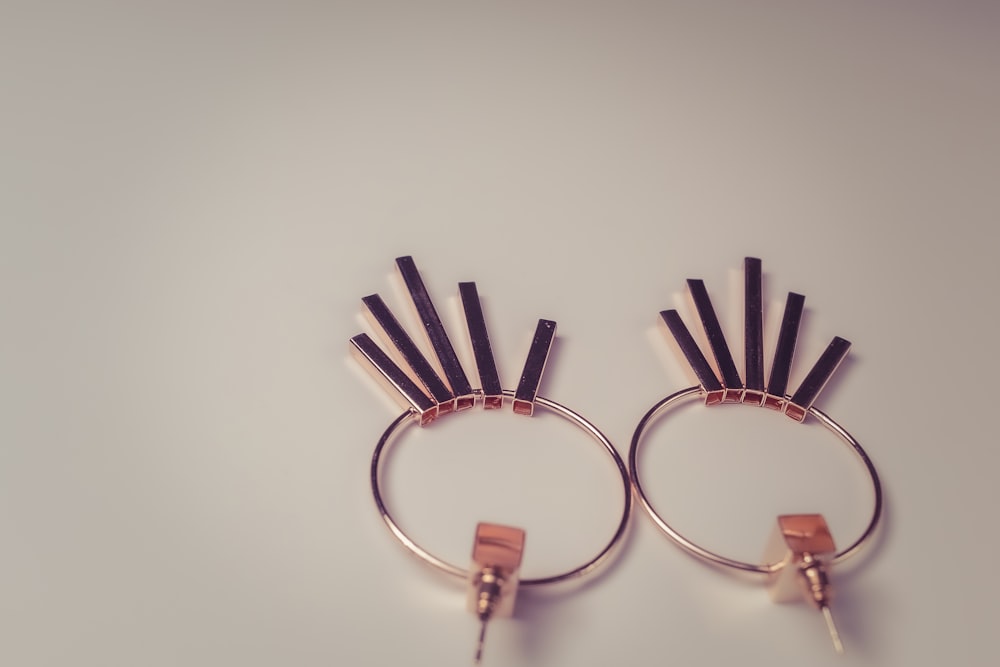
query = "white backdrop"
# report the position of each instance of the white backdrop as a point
(194, 197)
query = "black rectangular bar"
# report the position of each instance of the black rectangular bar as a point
(454, 374)
(486, 364)
(816, 379)
(753, 330)
(394, 334)
(717, 341)
(393, 379)
(781, 366)
(714, 391)
(534, 365)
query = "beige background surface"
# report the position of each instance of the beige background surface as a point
(195, 196)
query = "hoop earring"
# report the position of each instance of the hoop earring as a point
(801, 548)
(427, 393)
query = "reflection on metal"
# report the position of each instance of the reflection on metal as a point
(412, 358)
(454, 374)
(534, 366)
(753, 326)
(714, 391)
(482, 351)
(392, 378)
(729, 388)
(717, 342)
(781, 366)
(494, 574)
(799, 550)
(812, 385)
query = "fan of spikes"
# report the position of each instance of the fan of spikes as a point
(430, 388)
(727, 387)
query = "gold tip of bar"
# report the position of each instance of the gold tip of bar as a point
(392, 331)
(482, 350)
(493, 402)
(393, 379)
(753, 336)
(781, 366)
(717, 342)
(816, 379)
(714, 391)
(437, 337)
(523, 407)
(534, 365)
(796, 412)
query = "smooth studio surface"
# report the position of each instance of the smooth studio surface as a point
(195, 197)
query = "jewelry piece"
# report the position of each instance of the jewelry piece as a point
(427, 393)
(801, 549)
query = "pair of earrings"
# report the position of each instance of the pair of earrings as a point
(801, 548)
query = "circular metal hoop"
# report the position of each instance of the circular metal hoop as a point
(671, 402)
(404, 420)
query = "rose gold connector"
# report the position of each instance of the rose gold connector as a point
(496, 561)
(798, 549)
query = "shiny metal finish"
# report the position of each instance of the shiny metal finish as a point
(488, 586)
(587, 567)
(492, 579)
(410, 355)
(534, 366)
(691, 393)
(482, 350)
(802, 545)
(781, 366)
(713, 389)
(753, 327)
(492, 587)
(816, 379)
(798, 556)
(499, 549)
(717, 342)
(393, 379)
(454, 374)
(838, 646)
(727, 387)
(799, 540)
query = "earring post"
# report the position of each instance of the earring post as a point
(838, 646)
